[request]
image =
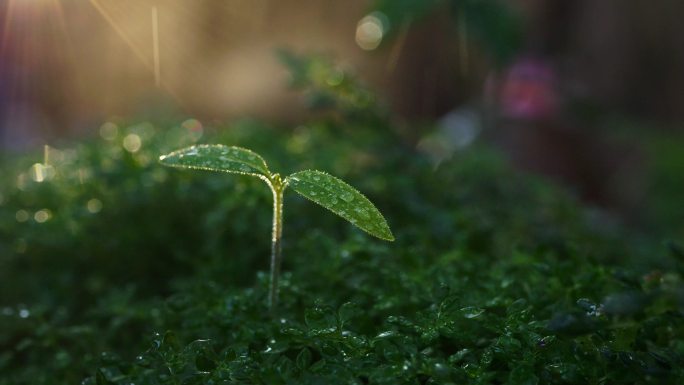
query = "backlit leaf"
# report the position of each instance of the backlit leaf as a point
(342, 199)
(217, 157)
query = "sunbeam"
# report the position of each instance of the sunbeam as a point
(119, 31)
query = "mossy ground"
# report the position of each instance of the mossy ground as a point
(494, 277)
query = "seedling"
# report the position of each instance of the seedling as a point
(317, 186)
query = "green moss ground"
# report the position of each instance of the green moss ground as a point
(495, 277)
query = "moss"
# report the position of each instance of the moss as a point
(495, 277)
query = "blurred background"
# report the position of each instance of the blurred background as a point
(588, 93)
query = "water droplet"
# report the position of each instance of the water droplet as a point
(472, 312)
(245, 168)
(316, 177)
(24, 313)
(440, 370)
(362, 212)
(313, 193)
(347, 197)
(385, 334)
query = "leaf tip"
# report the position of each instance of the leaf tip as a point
(387, 235)
(166, 160)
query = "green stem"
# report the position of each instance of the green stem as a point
(278, 187)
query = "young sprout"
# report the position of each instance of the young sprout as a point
(319, 187)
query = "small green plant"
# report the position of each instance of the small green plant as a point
(319, 187)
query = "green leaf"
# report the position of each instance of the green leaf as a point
(342, 199)
(304, 358)
(217, 157)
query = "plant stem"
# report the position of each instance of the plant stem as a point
(277, 187)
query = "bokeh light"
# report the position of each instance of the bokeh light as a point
(22, 216)
(42, 216)
(194, 128)
(41, 172)
(132, 143)
(109, 131)
(94, 206)
(370, 31)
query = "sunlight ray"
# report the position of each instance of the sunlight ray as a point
(121, 33)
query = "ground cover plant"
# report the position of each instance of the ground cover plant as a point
(115, 270)
(502, 280)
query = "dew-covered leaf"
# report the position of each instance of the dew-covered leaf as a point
(217, 157)
(342, 199)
